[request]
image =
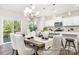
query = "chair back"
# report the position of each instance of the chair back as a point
(13, 41)
(20, 44)
(21, 47)
(57, 42)
(18, 32)
(33, 33)
(45, 34)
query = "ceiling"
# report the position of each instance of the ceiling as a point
(45, 9)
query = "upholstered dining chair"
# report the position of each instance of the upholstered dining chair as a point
(33, 33)
(55, 49)
(45, 34)
(18, 32)
(22, 49)
(13, 43)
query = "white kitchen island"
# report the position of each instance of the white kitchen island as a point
(73, 35)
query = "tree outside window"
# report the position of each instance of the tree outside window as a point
(8, 27)
(16, 26)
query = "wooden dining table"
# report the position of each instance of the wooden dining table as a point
(35, 44)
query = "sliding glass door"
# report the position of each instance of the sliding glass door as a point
(10, 26)
(17, 26)
(7, 26)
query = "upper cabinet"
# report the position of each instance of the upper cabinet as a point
(68, 21)
(71, 21)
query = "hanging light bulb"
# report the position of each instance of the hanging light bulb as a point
(26, 10)
(33, 7)
(30, 11)
(24, 14)
(37, 13)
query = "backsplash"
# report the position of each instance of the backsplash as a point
(71, 28)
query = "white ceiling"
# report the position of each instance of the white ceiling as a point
(45, 9)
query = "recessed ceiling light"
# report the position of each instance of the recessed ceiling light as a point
(54, 4)
(44, 8)
(31, 4)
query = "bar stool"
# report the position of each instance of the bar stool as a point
(70, 41)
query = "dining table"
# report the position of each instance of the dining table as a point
(35, 44)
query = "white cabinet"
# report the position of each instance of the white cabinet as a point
(71, 21)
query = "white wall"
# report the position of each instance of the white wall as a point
(40, 23)
(9, 14)
(49, 23)
(24, 25)
(1, 31)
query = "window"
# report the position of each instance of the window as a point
(10, 26)
(7, 30)
(17, 26)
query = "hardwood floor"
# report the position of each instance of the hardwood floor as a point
(65, 52)
(6, 49)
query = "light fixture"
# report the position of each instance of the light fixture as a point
(54, 4)
(26, 10)
(44, 8)
(33, 7)
(37, 13)
(30, 12)
(24, 14)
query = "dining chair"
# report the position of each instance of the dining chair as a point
(33, 33)
(13, 43)
(22, 49)
(18, 32)
(45, 34)
(55, 49)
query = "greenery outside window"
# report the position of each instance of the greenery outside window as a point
(8, 27)
(16, 26)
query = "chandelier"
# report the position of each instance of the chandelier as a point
(30, 12)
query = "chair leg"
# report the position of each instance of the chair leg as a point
(62, 44)
(17, 52)
(75, 47)
(65, 44)
(13, 51)
(69, 48)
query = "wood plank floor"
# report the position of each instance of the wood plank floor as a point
(6, 49)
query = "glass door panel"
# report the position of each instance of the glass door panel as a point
(7, 30)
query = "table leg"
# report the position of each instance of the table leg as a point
(36, 52)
